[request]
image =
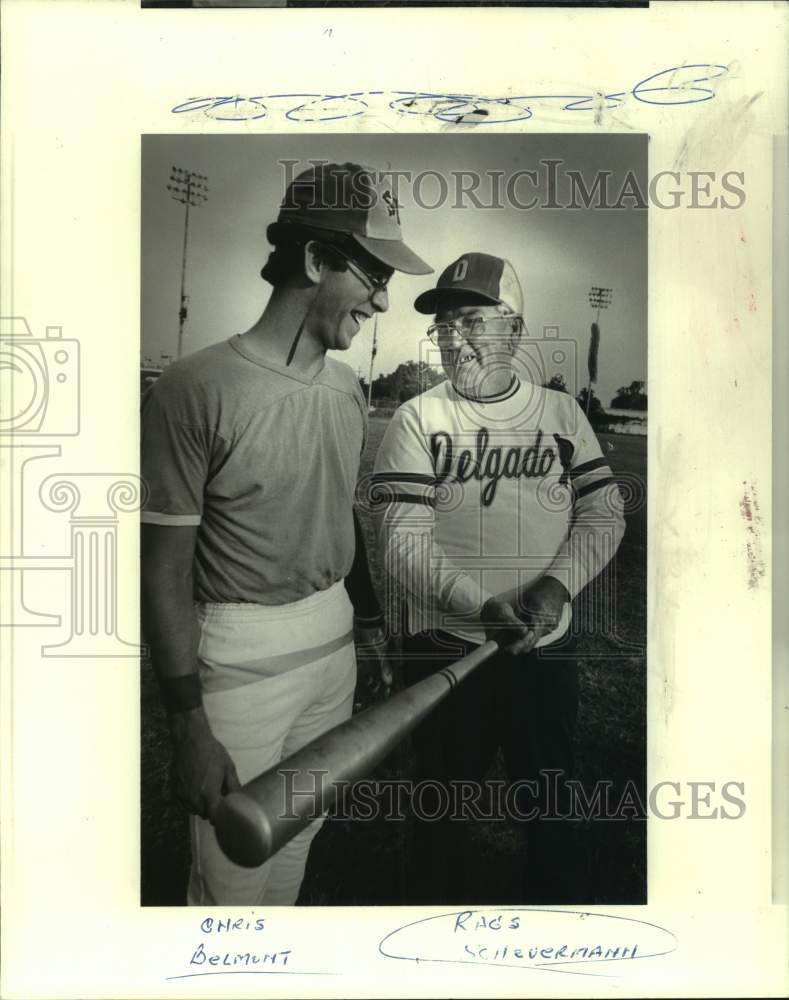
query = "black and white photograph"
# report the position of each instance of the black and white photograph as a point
(393, 499)
(393, 559)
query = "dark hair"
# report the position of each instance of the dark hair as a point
(286, 261)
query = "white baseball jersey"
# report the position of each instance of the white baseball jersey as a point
(478, 499)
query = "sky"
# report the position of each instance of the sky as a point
(558, 254)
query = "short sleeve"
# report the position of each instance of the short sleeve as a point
(175, 457)
(589, 469)
(404, 466)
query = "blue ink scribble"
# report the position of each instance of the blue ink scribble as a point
(682, 88)
(245, 108)
(299, 114)
(589, 103)
(678, 85)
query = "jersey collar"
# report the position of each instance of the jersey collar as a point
(511, 389)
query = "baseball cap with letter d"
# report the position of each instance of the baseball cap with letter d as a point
(477, 277)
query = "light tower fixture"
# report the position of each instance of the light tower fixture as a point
(191, 190)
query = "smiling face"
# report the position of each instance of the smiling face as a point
(345, 300)
(477, 347)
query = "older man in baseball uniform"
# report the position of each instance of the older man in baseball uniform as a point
(499, 509)
(254, 574)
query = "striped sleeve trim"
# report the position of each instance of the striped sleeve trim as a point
(404, 477)
(150, 517)
(401, 487)
(427, 501)
(586, 467)
(590, 476)
(592, 487)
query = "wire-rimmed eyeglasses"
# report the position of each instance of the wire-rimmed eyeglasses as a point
(445, 334)
(375, 282)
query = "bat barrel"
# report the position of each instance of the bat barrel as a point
(254, 823)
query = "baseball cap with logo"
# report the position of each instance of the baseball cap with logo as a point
(351, 199)
(477, 276)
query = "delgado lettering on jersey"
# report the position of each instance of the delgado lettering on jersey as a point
(492, 464)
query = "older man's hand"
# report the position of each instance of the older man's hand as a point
(539, 606)
(503, 626)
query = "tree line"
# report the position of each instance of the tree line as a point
(410, 378)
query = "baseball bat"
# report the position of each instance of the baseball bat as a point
(253, 823)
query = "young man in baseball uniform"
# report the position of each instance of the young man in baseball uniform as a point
(499, 509)
(250, 451)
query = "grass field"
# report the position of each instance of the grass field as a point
(354, 863)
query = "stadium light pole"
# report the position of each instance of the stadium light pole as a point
(599, 298)
(191, 190)
(373, 352)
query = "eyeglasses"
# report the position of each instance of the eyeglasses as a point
(375, 282)
(444, 334)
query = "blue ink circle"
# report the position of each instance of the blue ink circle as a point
(243, 116)
(683, 88)
(453, 103)
(319, 99)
